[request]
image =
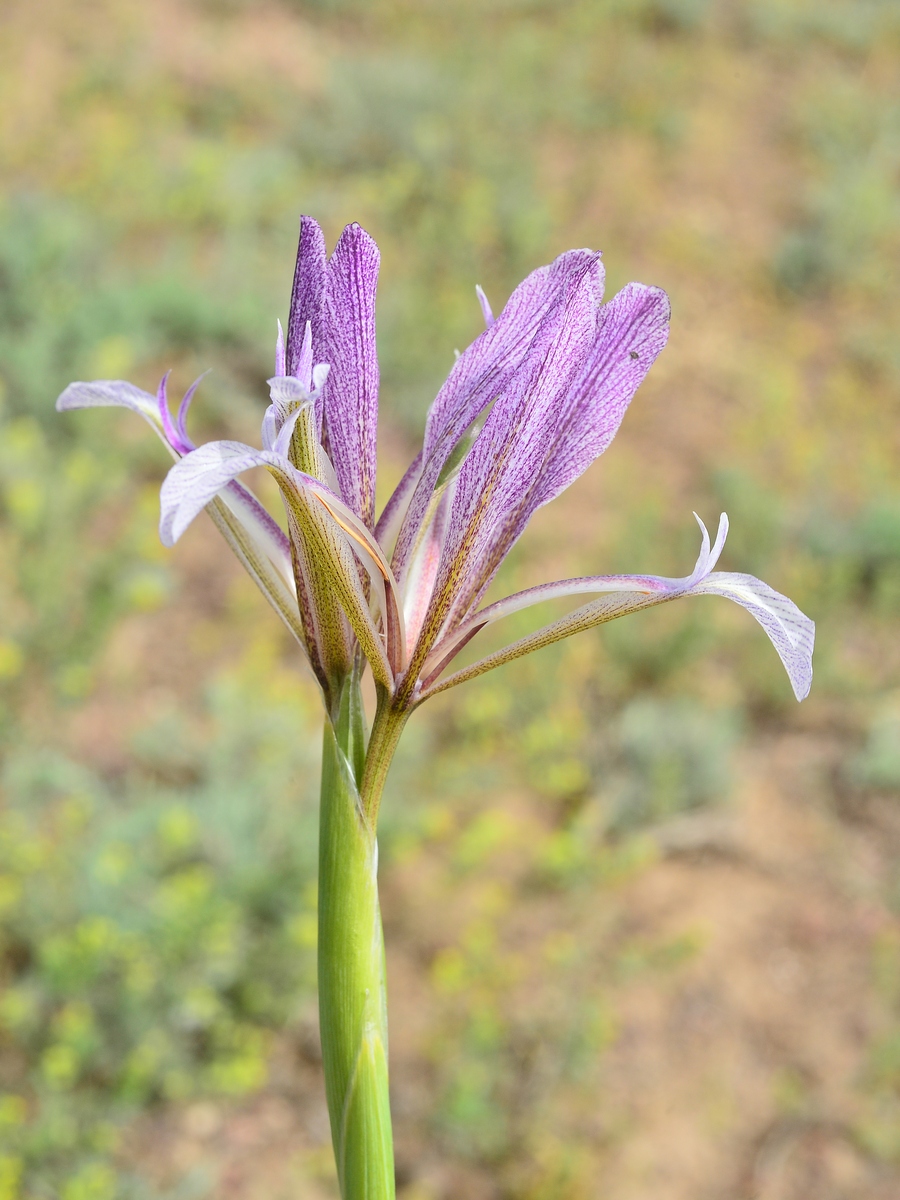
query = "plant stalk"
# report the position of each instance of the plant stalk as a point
(351, 967)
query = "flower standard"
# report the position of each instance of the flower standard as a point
(526, 409)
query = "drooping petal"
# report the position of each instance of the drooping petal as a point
(482, 372)
(115, 393)
(256, 539)
(791, 632)
(453, 641)
(319, 517)
(348, 346)
(308, 292)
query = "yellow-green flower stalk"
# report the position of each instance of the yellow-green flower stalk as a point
(526, 409)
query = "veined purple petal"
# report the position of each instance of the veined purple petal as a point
(394, 512)
(505, 462)
(631, 331)
(790, 631)
(350, 396)
(308, 292)
(481, 373)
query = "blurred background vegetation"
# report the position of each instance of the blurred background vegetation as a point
(642, 909)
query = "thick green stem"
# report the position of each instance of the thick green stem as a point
(352, 992)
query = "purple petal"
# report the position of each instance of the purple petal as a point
(484, 370)
(308, 293)
(509, 453)
(632, 330)
(175, 436)
(631, 333)
(348, 345)
(395, 510)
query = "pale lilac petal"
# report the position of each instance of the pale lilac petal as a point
(486, 310)
(485, 370)
(288, 393)
(452, 642)
(424, 567)
(791, 632)
(269, 430)
(112, 393)
(116, 393)
(308, 292)
(194, 481)
(350, 397)
(255, 538)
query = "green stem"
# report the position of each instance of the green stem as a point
(352, 992)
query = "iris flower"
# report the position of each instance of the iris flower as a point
(526, 409)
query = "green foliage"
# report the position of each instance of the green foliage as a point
(877, 765)
(155, 934)
(667, 758)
